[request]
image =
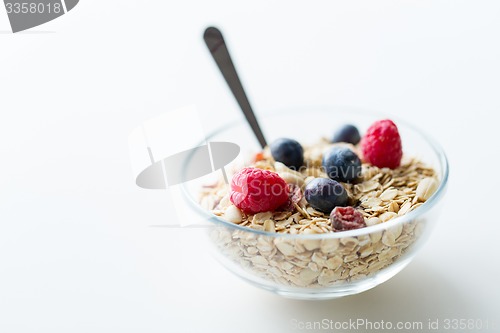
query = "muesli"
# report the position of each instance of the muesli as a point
(334, 185)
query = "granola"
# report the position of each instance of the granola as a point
(379, 194)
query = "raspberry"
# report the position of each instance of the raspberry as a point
(255, 190)
(346, 218)
(381, 145)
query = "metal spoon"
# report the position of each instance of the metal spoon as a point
(215, 43)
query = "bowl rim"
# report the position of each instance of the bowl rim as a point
(408, 217)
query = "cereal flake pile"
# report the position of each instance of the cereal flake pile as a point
(380, 194)
(383, 185)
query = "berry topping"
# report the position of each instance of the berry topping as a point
(325, 194)
(258, 157)
(346, 218)
(289, 152)
(347, 133)
(342, 164)
(255, 190)
(381, 145)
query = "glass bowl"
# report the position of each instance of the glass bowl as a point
(328, 265)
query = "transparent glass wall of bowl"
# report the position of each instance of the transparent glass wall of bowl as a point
(328, 265)
(320, 267)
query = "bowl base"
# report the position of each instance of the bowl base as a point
(335, 291)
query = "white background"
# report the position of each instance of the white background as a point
(77, 250)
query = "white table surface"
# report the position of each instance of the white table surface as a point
(77, 250)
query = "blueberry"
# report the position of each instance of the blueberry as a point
(347, 133)
(325, 194)
(342, 164)
(289, 152)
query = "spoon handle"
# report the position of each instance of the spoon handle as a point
(215, 43)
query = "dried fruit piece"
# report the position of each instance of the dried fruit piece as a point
(346, 218)
(258, 157)
(294, 196)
